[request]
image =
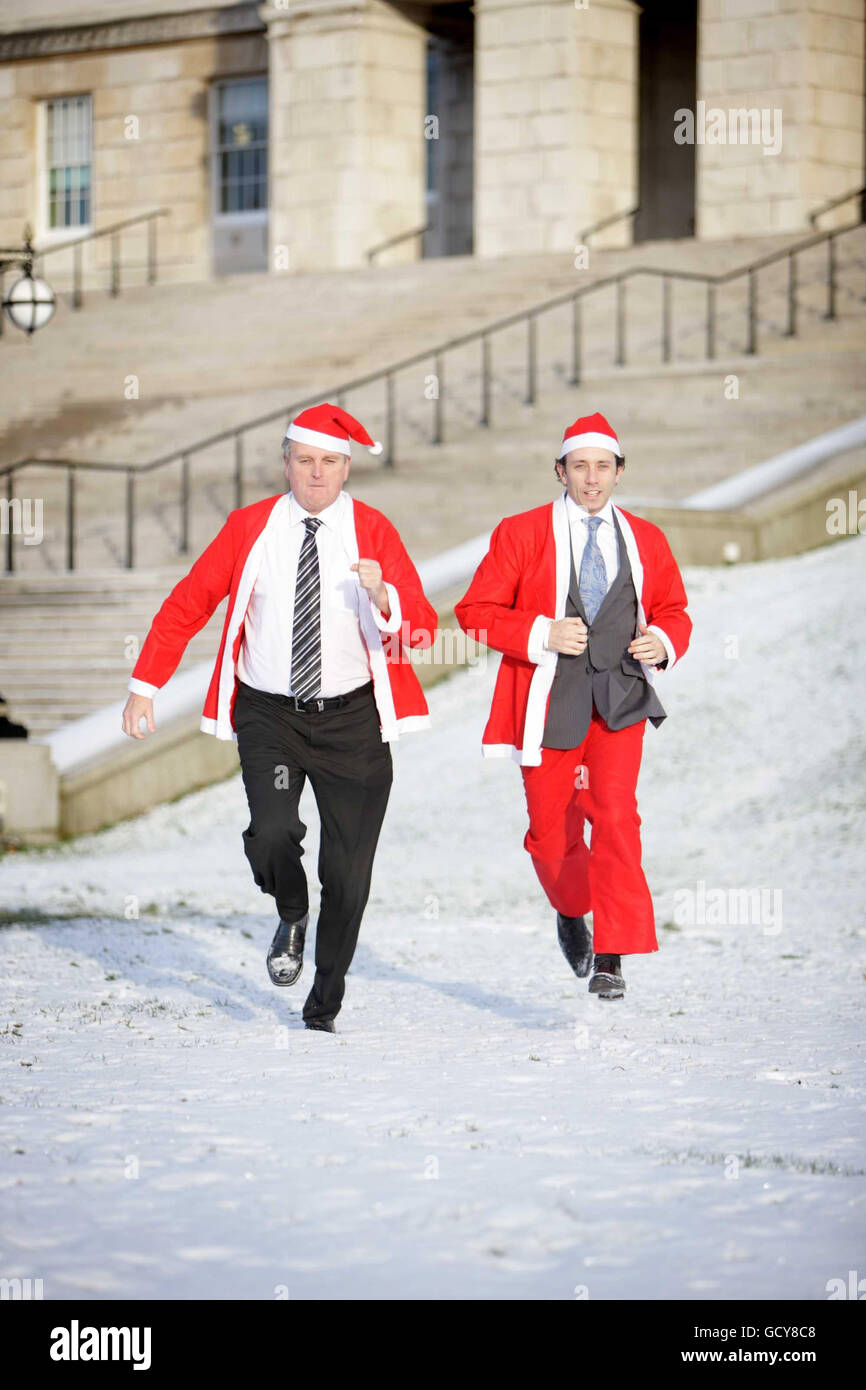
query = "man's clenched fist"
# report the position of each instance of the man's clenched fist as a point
(138, 707)
(567, 635)
(648, 648)
(370, 578)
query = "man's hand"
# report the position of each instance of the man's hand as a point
(648, 648)
(370, 578)
(138, 707)
(567, 635)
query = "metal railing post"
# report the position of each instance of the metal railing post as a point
(792, 296)
(711, 319)
(666, 318)
(151, 251)
(130, 521)
(183, 546)
(390, 423)
(10, 553)
(77, 277)
(752, 345)
(239, 469)
(70, 518)
(531, 358)
(485, 380)
(575, 340)
(831, 276)
(115, 263)
(438, 430)
(620, 322)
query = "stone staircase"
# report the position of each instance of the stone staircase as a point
(68, 643)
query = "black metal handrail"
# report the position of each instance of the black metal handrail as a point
(396, 241)
(837, 202)
(483, 336)
(114, 230)
(608, 221)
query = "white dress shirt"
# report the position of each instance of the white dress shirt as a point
(608, 544)
(265, 655)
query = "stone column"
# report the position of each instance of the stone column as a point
(803, 58)
(347, 88)
(555, 123)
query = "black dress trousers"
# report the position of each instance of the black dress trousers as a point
(350, 771)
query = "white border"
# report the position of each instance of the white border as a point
(596, 440)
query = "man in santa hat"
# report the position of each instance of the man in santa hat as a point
(312, 680)
(585, 601)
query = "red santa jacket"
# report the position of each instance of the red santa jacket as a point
(229, 566)
(524, 578)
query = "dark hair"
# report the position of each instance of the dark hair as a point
(620, 463)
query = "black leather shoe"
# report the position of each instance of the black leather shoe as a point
(320, 1025)
(575, 938)
(606, 980)
(286, 952)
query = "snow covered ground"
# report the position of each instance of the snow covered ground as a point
(480, 1126)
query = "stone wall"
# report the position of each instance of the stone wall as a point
(806, 58)
(555, 121)
(166, 87)
(347, 131)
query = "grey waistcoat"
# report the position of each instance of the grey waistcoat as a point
(604, 674)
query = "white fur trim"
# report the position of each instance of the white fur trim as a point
(375, 448)
(500, 750)
(413, 723)
(226, 681)
(142, 688)
(209, 726)
(637, 575)
(391, 624)
(382, 692)
(542, 676)
(536, 651)
(322, 441)
(594, 440)
(666, 643)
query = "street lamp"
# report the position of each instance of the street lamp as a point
(29, 302)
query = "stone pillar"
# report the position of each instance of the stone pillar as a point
(805, 59)
(555, 121)
(347, 88)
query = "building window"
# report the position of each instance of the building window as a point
(242, 145)
(68, 159)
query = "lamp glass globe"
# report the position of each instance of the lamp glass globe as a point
(30, 303)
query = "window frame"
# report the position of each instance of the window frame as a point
(47, 233)
(249, 216)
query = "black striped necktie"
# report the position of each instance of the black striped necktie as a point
(306, 630)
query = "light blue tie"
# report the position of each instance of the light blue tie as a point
(593, 575)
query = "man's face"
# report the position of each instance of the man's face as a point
(590, 476)
(315, 476)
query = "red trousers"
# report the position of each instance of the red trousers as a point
(606, 878)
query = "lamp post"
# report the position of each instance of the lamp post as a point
(29, 302)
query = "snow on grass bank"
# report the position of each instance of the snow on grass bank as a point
(480, 1127)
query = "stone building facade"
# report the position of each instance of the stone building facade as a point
(305, 134)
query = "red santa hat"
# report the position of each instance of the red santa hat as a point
(590, 431)
(329, 427)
